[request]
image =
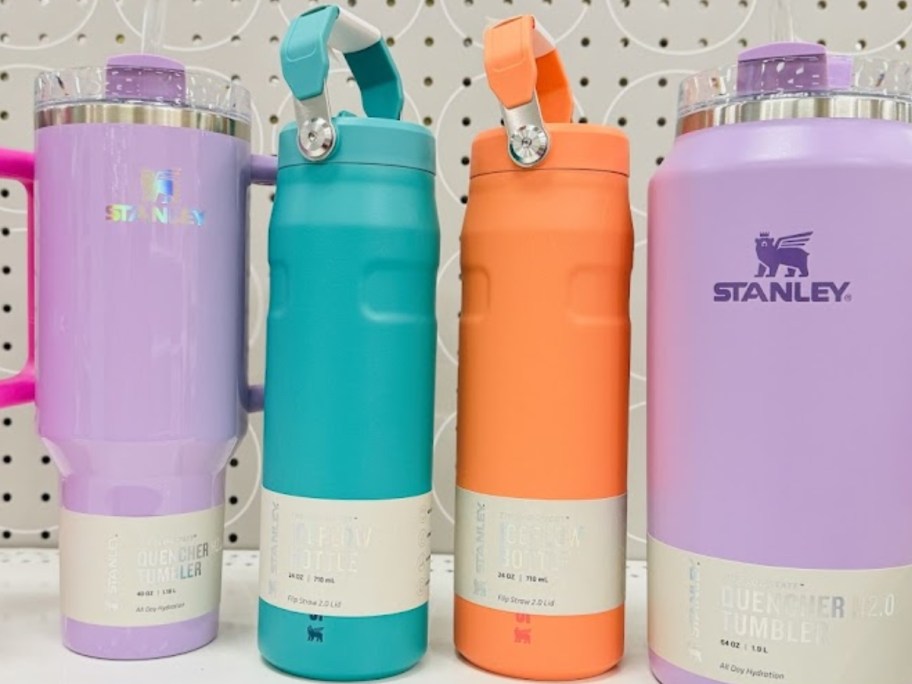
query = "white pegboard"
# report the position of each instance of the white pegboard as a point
(625, 59)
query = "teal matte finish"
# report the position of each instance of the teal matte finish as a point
(351, 346)
(305, 64)
(304, 55)
(368, 141)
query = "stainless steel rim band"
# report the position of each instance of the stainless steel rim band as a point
(152, 115)
(783, 108)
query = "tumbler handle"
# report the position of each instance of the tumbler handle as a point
(527, 76)
(263, 170)
(20, 388)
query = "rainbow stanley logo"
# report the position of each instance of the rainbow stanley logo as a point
(161, 202)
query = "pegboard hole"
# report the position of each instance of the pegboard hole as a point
(120, 38)
(233, 500)
(623, 82)
(45, 460)
(4, 76)
(625, 41)
(464, 199)
(7, 459)
(903, 4)
(663, 42)
(622, 121)
(466, 161)
(233, 463)
(466, 121)
(466, 82)
(7, 497)
(583, 120)
(584, 81)
(273, 119)
(428, 81)
(901, 44)
(45, 497)
(232, 538)
(7, 270)
(427, 121)
(7, 534)
(4, 193)
(659, 160)
(822, 4)
(45, 534)
(661, 121)
(429, 41)
(390, 41)
(585, 42)
(862, 4)
(861, 44)
(467, 41)
(663, 82)
(7, 308)
(7, 422)
(7, 346)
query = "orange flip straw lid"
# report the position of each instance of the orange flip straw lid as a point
(527, 76)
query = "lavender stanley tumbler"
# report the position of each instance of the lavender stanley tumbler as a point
(780, 375)
(141, 171)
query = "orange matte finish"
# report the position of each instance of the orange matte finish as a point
(582, 147)
(544, 351)
(543, 381)
(515, 75)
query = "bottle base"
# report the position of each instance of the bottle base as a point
(667, 673)
(139, 643)
(539, 647)
(342, 649)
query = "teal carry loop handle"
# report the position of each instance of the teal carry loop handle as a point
(305, 65)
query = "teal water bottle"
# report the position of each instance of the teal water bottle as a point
(353, 254)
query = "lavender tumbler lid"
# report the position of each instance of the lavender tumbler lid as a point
(796, 80)
(143, 89)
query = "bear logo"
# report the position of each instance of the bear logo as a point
(786, 251)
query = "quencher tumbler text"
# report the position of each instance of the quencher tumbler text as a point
(780, 378)
(139, 376)
(353, 255)
(547, 250)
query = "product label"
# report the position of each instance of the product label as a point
(345, 558)
(140, 571)
(735, 622)
(541, 557)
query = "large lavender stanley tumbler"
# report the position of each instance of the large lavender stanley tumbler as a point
(141, 171)
(780, 375)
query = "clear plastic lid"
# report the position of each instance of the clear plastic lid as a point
(143, 79)
(794, 70)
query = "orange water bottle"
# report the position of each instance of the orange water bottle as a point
(547, 250)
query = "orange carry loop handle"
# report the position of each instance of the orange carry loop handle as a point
(522, 59)
(527, 76)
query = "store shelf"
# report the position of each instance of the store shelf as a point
(30, 648)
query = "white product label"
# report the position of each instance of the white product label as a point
(541, 557)
(345, 558)
(140, 571)
(735, 622)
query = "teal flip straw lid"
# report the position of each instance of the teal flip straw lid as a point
(318, 137)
